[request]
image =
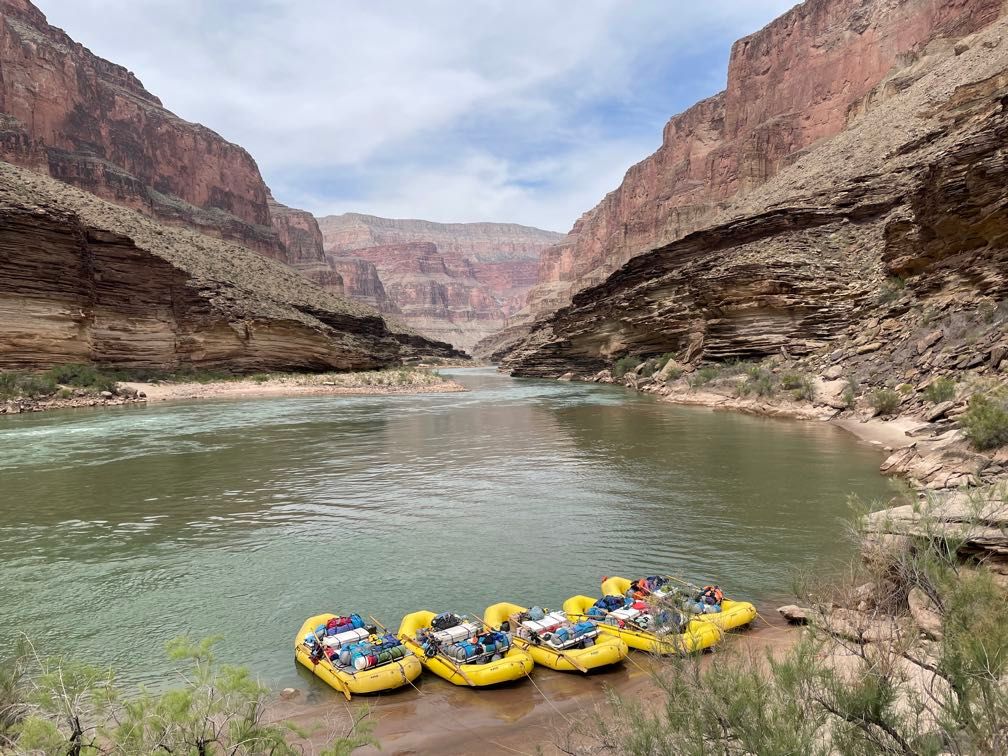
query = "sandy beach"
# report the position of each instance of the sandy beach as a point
(299, 385)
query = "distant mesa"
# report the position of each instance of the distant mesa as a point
(456, 282)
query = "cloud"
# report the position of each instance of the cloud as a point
(507, 110)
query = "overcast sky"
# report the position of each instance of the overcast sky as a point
(526, 111)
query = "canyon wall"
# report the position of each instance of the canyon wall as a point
(456, 282)
(84, 280)
(850, 255)
(91, 123)
(796, 82)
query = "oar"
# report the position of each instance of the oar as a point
(344, 688)
(457, 667)
(573, 662)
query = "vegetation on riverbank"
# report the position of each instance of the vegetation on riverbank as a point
(83, 385)
(908, 654)
(61, 707)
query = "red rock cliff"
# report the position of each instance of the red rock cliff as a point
(66, 112)
(789, 85)
(458, 281)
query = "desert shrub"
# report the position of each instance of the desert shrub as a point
(648, 369)
(625, 365)
(758, 382)
(663, 360)
(940, 390)
(83, 377)
(67, 707)
(674, 374)
(850, 392)
(985, 422)
(885, 401)
(28, 385)
(826, 695)
(801, 386)
(891, 290)
(987, 311)
(705, 375)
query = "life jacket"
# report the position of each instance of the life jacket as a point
(712, 594)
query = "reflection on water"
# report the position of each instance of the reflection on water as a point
(120, 529)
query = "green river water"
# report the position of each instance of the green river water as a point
(123, 528)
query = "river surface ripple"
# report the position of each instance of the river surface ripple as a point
(123, 528)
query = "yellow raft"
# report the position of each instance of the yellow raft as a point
(515, 664)
(608, 649)
(733, 614)
(697, 636)
(395, 674)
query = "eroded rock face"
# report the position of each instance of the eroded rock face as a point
(91, 123)
(799, 80)
(362, 283)
(83, 280)
(457, 282)
(914, 186)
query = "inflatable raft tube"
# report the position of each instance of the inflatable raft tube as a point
(733, 614)
(515, 664)
(698, 636)
(375, 680)
(608, 649)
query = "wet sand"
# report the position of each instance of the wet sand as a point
(527, 717)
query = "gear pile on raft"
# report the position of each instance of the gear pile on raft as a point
(655, 614)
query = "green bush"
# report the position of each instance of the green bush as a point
(758, 382)
(82, 376)
(625, 365)
(26, 385)
(61, 706)
(649, 368)
(940, 390)
(885, 401)
(850, 392)
(985, 422)
(705, 375)
(824, 694)
(801, 386)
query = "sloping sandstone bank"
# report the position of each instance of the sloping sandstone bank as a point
(83, 280)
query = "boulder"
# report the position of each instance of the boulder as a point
(939, 411)
(795, 614)
(566, 377)
(869, 348)
(929, 341)
(106, 395)
(670, 367)
(833, 372)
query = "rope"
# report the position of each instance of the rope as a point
(546, 699)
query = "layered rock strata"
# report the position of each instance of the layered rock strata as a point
(907, 203)
(83, 280)
(457, 282)
(796, 82)
(91, 123)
